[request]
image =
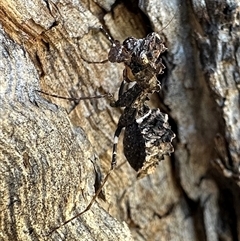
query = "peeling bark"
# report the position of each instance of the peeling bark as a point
(51, 149)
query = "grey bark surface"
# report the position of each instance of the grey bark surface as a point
(52, 149)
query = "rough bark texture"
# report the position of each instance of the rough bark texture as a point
(51, 150)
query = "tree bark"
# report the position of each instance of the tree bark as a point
(52, 149)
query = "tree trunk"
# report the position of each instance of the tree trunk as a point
(52, 150)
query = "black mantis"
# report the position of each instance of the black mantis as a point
(148, 136)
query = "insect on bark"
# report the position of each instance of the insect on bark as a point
(148, 136)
